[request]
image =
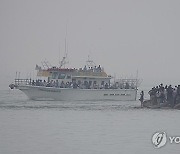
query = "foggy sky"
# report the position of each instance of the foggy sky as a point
(122, 35)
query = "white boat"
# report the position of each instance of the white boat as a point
(63, 94)
(88, 84)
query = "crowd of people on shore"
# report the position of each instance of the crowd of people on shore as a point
(165, 94)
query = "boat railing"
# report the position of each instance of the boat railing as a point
(19, 82)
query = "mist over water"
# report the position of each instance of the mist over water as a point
(44, 127)
(123, 37)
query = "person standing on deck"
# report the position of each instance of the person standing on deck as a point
(170, 96)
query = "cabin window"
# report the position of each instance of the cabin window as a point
(85, 83)
(90, 83)
(73, 80)
(102, 82)
(79, 82)
(61, 76)
(54, 75)
(68, 77)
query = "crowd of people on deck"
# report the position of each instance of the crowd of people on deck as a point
(73, 84)
(165, 94)
(81, 85)
(92, 69)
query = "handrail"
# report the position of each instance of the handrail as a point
(23, 82)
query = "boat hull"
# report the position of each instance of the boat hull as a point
(69, 94)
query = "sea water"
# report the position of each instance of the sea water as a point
(81, 127)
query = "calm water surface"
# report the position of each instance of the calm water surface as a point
(53, 127)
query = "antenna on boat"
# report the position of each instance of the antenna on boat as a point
(64, 60)
(16, 75)
(65, 46)
(45, 65)
(59, 60)
(19, 75)
(137, 73)
(90, 63)
(66, 41)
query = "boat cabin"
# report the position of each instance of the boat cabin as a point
(92, 78)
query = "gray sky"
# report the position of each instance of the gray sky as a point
(121, 35)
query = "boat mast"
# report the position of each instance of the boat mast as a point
(137, 73)
(64, 61)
